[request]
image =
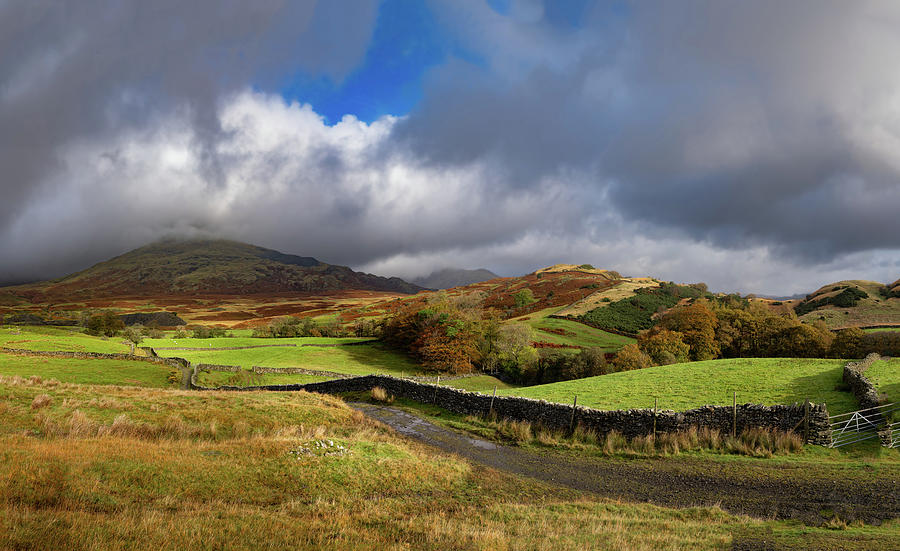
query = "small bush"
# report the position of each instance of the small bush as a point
(381, 395)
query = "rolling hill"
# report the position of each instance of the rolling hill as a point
(852, 303)
(207, 267)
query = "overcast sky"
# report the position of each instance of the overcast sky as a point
(751, 145)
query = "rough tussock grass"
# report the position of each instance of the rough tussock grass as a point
(198, 470)
(754, 442)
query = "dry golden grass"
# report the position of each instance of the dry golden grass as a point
(381, 395)
(624, 289)
(128, 468)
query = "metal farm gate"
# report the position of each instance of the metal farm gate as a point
(866, 424)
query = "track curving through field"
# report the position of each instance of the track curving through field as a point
(758, 491)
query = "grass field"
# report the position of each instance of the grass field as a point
(478, 383)
(226, 342)
(684, 386)
(131, 468)
(247, 378)
(58, 338)
(90, 372)
(880, 329)
(574, 333)
(354, 360)
(885, 375)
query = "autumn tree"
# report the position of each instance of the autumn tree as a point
(664, 346)
(631, 357)
(697, 324)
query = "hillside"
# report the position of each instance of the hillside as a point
(454, 277)
(207, 267)
(544, 289)
(851, 303)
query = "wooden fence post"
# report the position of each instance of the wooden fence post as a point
(734, 416)
(806, 421)
(655, 404)
(434, 398)
(572, 422)
(491, 408)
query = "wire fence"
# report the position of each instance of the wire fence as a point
(866, 424)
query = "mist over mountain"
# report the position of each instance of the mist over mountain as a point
(454, 277)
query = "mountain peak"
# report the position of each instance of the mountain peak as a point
(213, 266)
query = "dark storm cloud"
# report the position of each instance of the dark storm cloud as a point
(77, 70)
(752, 145)
(736, 123)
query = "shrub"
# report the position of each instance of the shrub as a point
(631, 357)
(523, 298)
(381, 395)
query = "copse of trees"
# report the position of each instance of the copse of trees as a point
(709, 329)
(443, 336)
(848, 297)
(635, 314)
(106, 323)
(289, 326)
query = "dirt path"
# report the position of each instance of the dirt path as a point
(756, 490)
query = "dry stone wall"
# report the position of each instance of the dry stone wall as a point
(261, 370)
(217, 367)
(631, 423)
(860, 386)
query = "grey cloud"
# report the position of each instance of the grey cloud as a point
(77, 71)
(738, 124)
(745, 144)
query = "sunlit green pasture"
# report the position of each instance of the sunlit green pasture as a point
(90, 371)
(885, 375)
(58, 338)
(354, 360)
(226, 342)
(694, 384)
(573, 332)
(248, 378)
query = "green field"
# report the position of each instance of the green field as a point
(227, 342)
(880, 329)
(353, 360)
(688, 385)
(130, 468)
(247, 378)
(576, 334)
(478, 383)
(59, 338)
(90, 372)
(885, 375)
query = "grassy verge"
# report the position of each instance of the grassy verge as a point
(132, 468)
(59, 338)
(865, 461)
(91, 372)
(684, 386)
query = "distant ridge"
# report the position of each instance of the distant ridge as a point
(454, 277)
(210, 267)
